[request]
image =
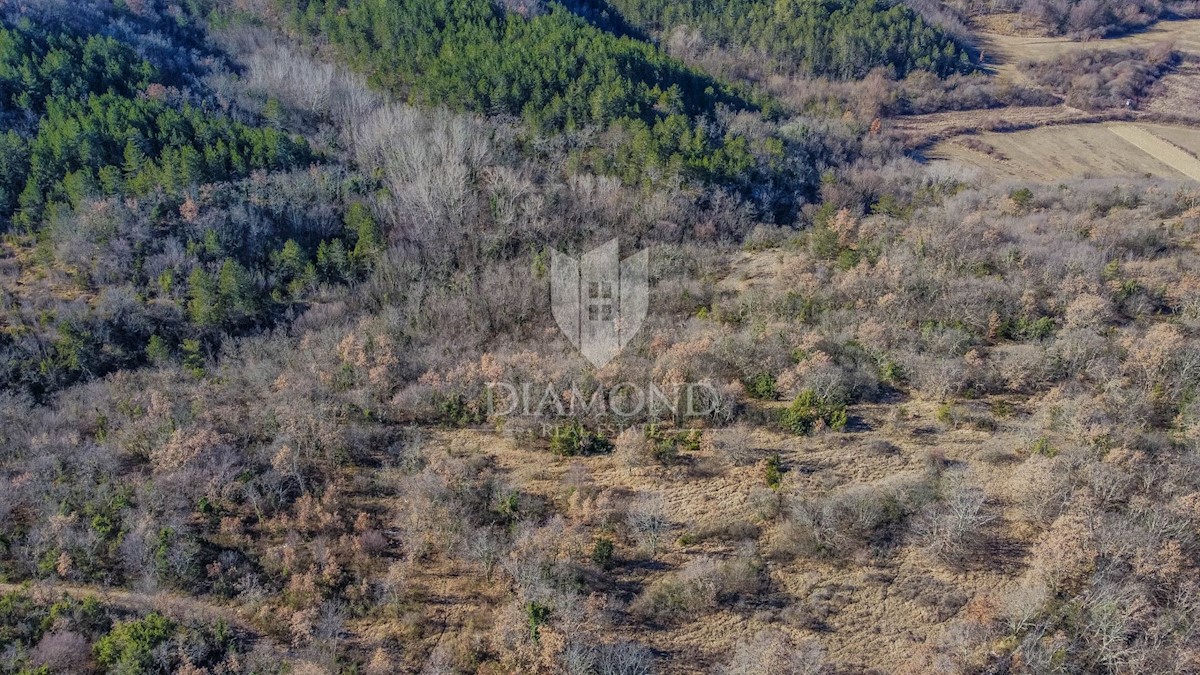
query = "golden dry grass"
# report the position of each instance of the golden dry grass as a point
(1004, 51)
(868, 612)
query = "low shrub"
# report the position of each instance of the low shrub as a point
(573, 439)
(667, 445)
(761, 386)
(809, 411)
(130, 646)
(602, 553)
(774, 471)
(1098, 79)
(702, 585)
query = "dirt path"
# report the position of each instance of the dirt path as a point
(1164, 151)
(922, 130)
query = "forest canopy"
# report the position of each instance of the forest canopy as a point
(555, 71)
(843, 39)
(87, 118)
(122, 169)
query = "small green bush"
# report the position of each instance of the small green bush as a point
(1022, 197)
(538, 614)
(848, 258)
(193, 360)
(774, 472)
(509, 505)
(1042, 447)
(602, 553)
(808, 408)
(1002, 408)
(157, 350)
(1023, 328)
(823, 242)
(573, 439)
(129, 647)
(761, 386)
(947, 415)
(456, 410)
(667, 445)
(891, 372)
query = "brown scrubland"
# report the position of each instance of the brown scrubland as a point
(957, 413)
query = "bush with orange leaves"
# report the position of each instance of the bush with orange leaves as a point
(316, 514)
(186, 446)
(371, 352)
(1066, 557)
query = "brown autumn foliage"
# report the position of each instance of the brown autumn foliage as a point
(956, 428)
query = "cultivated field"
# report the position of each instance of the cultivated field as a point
(1060, 152)
(1186, 138)
(1060, 142)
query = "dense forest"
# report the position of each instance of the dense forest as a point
(843, 39)
(263, 262)
(105, 148)
(553, 70)
(90, 135)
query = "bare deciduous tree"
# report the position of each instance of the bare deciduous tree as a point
(771, 652)
(648, 521)
(949, 528)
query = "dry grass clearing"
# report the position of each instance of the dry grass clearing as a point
(870, 614)
(1003, 52)
(1183, 137)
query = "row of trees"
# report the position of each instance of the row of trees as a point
(1097, 79)
(1080, 19)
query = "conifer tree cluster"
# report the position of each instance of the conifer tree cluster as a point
(91, 119)
(844, 39)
